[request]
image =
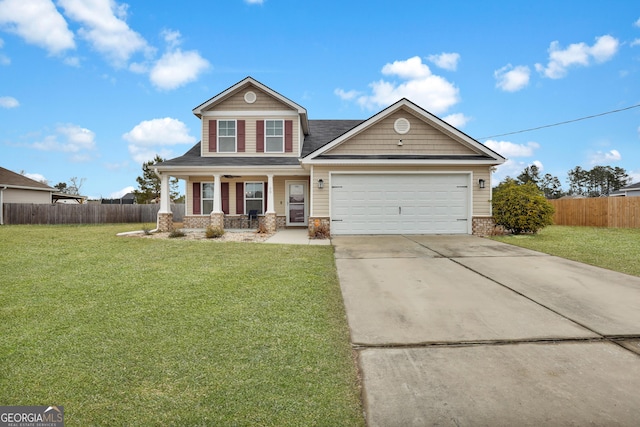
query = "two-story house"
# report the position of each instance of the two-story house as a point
(401, 171)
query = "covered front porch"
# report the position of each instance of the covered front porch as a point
(241, 200)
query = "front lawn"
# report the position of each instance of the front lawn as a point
(612, 248)
(132, 331)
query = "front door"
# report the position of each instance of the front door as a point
(296, 203)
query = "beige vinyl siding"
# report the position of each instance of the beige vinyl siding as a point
(236, 102)
(480, 199)
(422, 138)
(15, 195)
(250, 136)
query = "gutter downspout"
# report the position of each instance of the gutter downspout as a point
(2, 204)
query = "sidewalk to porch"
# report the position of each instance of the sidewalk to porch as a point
(292, 236)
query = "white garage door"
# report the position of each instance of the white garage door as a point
(399, 204)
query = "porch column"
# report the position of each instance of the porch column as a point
(270, 202)
(217, 216)
(217, 197)
(270, 215)
(165, 216)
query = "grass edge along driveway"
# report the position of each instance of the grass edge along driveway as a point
(132, 331)
(615, 249)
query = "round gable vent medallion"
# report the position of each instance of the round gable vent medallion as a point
(250, 97)
(402, 125)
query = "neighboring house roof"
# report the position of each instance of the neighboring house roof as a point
(199, 110)
(624, 191)
(15, 180)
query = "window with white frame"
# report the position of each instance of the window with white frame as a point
(274, 136)
(226, 136)
(254, 197)
(206, 199)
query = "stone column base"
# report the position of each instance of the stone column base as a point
(484, 226)
(270, 222)
(217, 220)
(165, 222)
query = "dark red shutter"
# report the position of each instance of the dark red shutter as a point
(196, 198)
(260, 136)
(240, 136)
(224, 194)
(288, 136)
(239, 198)
(213, 135)
(266, 191)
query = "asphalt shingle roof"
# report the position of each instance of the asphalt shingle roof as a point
(10, 178)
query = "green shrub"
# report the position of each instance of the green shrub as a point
(521, 208)
(214, 232)
(177, 233)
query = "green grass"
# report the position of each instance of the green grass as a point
(616, 249)
(131, 331)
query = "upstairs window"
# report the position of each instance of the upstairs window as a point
(274, 136)
(226, 136)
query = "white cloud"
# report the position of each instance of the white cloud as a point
(577, 54)
(346, 95)
(457, 120)
(604, 158)
(512, 79)
(147, 136)
(8, 102)
(637, 23)
(105, 28)
(177, 68)
(636, 42)
(38, 22)
(448, 61)
(431, 92)
(510, 149)
(634, 175)
(120, 193)
(37, 177)
(254, 1)
(68, 138)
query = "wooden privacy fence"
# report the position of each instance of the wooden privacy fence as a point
(89, 213)
(622, 212)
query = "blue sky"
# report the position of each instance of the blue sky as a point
(93, 88)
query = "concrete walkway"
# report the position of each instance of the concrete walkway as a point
(295, 236)
(459, 330)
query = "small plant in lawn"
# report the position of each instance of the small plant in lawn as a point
(177, 233)
(521, 208)
(214, 232)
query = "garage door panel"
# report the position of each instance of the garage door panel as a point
(393, 204)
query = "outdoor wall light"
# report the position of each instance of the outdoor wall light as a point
(320, 183)
(481, 183)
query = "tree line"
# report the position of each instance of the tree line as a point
(597, 182)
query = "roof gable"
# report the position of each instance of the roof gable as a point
(382, 136)
(234, 96)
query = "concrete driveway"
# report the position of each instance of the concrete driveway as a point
(460, 330)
